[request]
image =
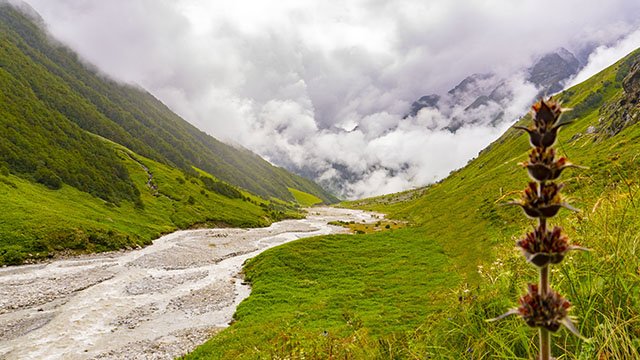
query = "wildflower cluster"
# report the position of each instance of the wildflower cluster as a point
(548, 311)
(542, 307)
(542, 200)
(542, 247)
(543, 165)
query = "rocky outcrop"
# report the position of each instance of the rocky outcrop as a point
(550, 72)
(427, 101)
(624, 110)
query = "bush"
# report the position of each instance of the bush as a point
(221, 188)
(4, 170)
(47, 178)
(12, 256)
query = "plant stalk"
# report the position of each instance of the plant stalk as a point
(545, 336)
(545, 344)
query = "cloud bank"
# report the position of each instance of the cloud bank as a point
(606, 55)
(323, 87)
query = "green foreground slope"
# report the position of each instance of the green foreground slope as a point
(59, 88)
(426, 291)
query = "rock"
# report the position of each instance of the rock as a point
(427, 101)
(550, 72)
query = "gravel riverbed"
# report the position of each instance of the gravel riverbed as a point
(154, 303)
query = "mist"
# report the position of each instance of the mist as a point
(323, 88)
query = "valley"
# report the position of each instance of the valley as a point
(126, 232)
(426, 291)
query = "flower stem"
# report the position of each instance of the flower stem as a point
(544, 280)
(545, 336)
(545, 344)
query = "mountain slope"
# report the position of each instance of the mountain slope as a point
(71, 181)
(127, 115)
(38, 222)
(426, 291)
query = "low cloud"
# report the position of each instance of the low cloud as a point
(323, 87)
(606, 55)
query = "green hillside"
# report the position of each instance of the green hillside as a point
(89, 165)
(38, 222)
(425, 291)
(44, 84)
(305, 199)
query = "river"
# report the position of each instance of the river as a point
(158, 302)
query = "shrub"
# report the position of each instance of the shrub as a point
(47, 178)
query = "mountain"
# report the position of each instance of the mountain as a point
(547, 74)
(426, 291)
(87, 164)
(552, 70)
(427, 101)
(126, 115)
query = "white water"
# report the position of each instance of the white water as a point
(155, 303)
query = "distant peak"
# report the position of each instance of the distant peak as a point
(468, 82)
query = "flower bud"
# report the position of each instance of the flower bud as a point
(546, 123)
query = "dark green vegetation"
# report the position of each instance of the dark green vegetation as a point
(425, 291)
(37, 222)
(87, 164)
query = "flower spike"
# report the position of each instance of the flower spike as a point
(543, 247)
(542, 307)
(548, 311)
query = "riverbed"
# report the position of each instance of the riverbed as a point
(158, 302)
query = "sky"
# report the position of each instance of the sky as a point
(323, 87)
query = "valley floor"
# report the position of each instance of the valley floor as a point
(158, 302)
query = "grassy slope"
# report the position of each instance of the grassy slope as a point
(305, 199)
(36, 221)
(64, 187)
(458, 225)
(128, 115)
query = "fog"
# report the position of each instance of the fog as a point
(323, 88)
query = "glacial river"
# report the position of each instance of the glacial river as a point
(158, 302)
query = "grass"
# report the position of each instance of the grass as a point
(425, 291)
(38, 223)
(362, 283)
(305, 199)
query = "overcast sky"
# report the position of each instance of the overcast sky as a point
(290, 79)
